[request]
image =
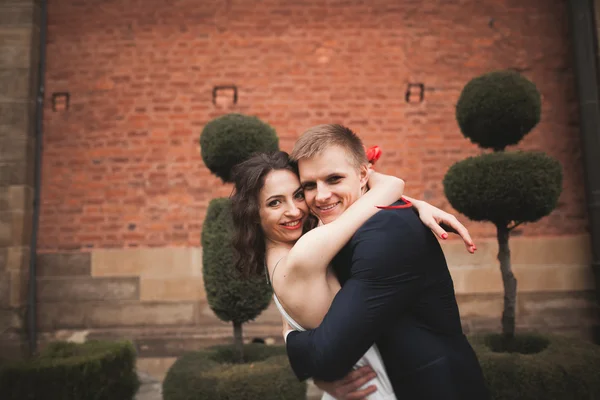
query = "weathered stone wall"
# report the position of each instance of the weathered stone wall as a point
(157, 298)
(19, 57)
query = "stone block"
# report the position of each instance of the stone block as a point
(21, 225)
(21, 197)
(4, 198)
(17, 14)
(17, 149)
(15, 83)
(16, 172)
(559, 310)
(543, 311)
(530, 277)
(562, 250)
(87, 288)
(3, 258)
(18, 258)
(11, 320)
(19, 288)
(151, 263)
(18, 114)
(555, 277)
(15, 46)
(5, 281)
(63, 264)
(5, 228)
(479, 305)
(172, 289)
(69, 315)
(482, 324)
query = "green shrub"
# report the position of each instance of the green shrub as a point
(231, 297)
(68, 371)
(230, 139)
(564, 369)
(523, 343)
(213, 374)
(503, 187)
(498, 108)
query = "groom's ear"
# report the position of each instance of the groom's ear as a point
(364, 175)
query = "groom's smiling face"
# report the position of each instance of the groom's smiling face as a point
(331, 182)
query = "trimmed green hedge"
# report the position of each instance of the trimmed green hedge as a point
(231, 297)
(564, 369)
(498, 109)
(211, 374)
(67, 371)
(503, 187)
(232, 138)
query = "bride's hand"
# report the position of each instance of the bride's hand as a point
(433, 218)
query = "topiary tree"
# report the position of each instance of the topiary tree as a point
(232, 138)
(225, 142)
(251, 371)
(496, 110)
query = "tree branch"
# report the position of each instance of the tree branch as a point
(510, 228)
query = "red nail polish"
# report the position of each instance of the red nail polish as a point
(444, 236)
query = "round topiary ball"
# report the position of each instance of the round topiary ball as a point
(229, 295)
(505, 186)
(498, 109)
(230, 139)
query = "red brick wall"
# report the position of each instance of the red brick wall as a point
(122, 167)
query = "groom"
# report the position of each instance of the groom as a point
(396, 291)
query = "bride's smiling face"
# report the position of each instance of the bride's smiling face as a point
(282, 207)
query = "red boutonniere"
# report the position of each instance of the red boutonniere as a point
(373, 154)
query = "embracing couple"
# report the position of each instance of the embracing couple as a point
(357, 273)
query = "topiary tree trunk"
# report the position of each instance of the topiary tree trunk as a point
(238, 340)
(509, 281)
(496, 110)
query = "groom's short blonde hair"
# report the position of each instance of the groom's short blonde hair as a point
(319, 138)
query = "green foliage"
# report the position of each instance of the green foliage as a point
(523, 344)
(213, 374)
(68, 371)
(503, 187)
(498, 109)
(566, 369)
(230, 139)
(230, 296)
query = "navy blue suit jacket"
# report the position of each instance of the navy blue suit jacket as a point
(396, 292)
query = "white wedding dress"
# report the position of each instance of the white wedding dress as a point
(371, 357)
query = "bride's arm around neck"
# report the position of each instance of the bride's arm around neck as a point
(314, 251)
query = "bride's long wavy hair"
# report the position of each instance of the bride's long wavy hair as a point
(248, 236)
